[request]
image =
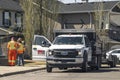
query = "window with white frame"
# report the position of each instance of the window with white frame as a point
(6, 18)
(18, 20)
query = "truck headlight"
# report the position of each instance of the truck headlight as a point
(50, 52)
(79, 52)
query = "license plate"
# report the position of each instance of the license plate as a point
(64, 53)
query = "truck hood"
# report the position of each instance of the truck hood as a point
(66, 47)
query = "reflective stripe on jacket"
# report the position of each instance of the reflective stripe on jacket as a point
(21, 49)
(12, 45)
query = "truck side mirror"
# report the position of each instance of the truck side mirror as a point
(45, 44)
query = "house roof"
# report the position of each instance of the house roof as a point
(10, 5)
(85, 7)
(5, 32)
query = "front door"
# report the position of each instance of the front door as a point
(39, 47)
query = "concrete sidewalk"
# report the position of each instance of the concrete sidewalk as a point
(29, 66)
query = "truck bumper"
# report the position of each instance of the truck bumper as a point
(64, 62)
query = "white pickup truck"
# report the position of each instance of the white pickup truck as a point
(76, 48)
(69, 51)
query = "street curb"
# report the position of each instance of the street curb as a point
(20, 72)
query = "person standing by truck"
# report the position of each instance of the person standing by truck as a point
(20, 52)
(12, 51)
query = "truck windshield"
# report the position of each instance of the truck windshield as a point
(68, 40)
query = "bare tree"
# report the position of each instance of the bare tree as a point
(100, 24)
(98, 13)
(49, 18)
(39, 18)
(28, 22)
(98, 17)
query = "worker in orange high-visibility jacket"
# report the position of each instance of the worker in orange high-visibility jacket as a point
(12, 51)
(20, 53)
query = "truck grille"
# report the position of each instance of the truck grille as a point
(65, 53)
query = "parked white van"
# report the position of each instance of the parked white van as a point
(39, 47)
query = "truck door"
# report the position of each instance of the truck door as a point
(39, 47)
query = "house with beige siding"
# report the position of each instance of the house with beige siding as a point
(11, 17)
(81, 15)
(11, 20)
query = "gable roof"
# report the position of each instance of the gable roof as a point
(10, 5)
(85, 7)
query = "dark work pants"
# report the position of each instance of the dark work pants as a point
(20, 60)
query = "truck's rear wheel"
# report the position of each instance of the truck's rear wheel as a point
(85, 62)
(48, 68)
(98, 62)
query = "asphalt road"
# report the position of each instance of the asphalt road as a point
(104, 73)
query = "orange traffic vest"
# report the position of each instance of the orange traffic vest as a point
(12, 45)
(21, 48)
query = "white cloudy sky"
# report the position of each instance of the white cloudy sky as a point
(71, 1)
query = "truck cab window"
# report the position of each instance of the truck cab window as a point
(87, 42)
(41, 41)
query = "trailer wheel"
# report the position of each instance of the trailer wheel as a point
(115, 60)
(48, 68)
(85, 62)
(92, 67)
(113, 63)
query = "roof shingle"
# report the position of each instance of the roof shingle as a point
(10, 5)
(85, 7)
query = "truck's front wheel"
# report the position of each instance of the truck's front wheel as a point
(48, 68)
